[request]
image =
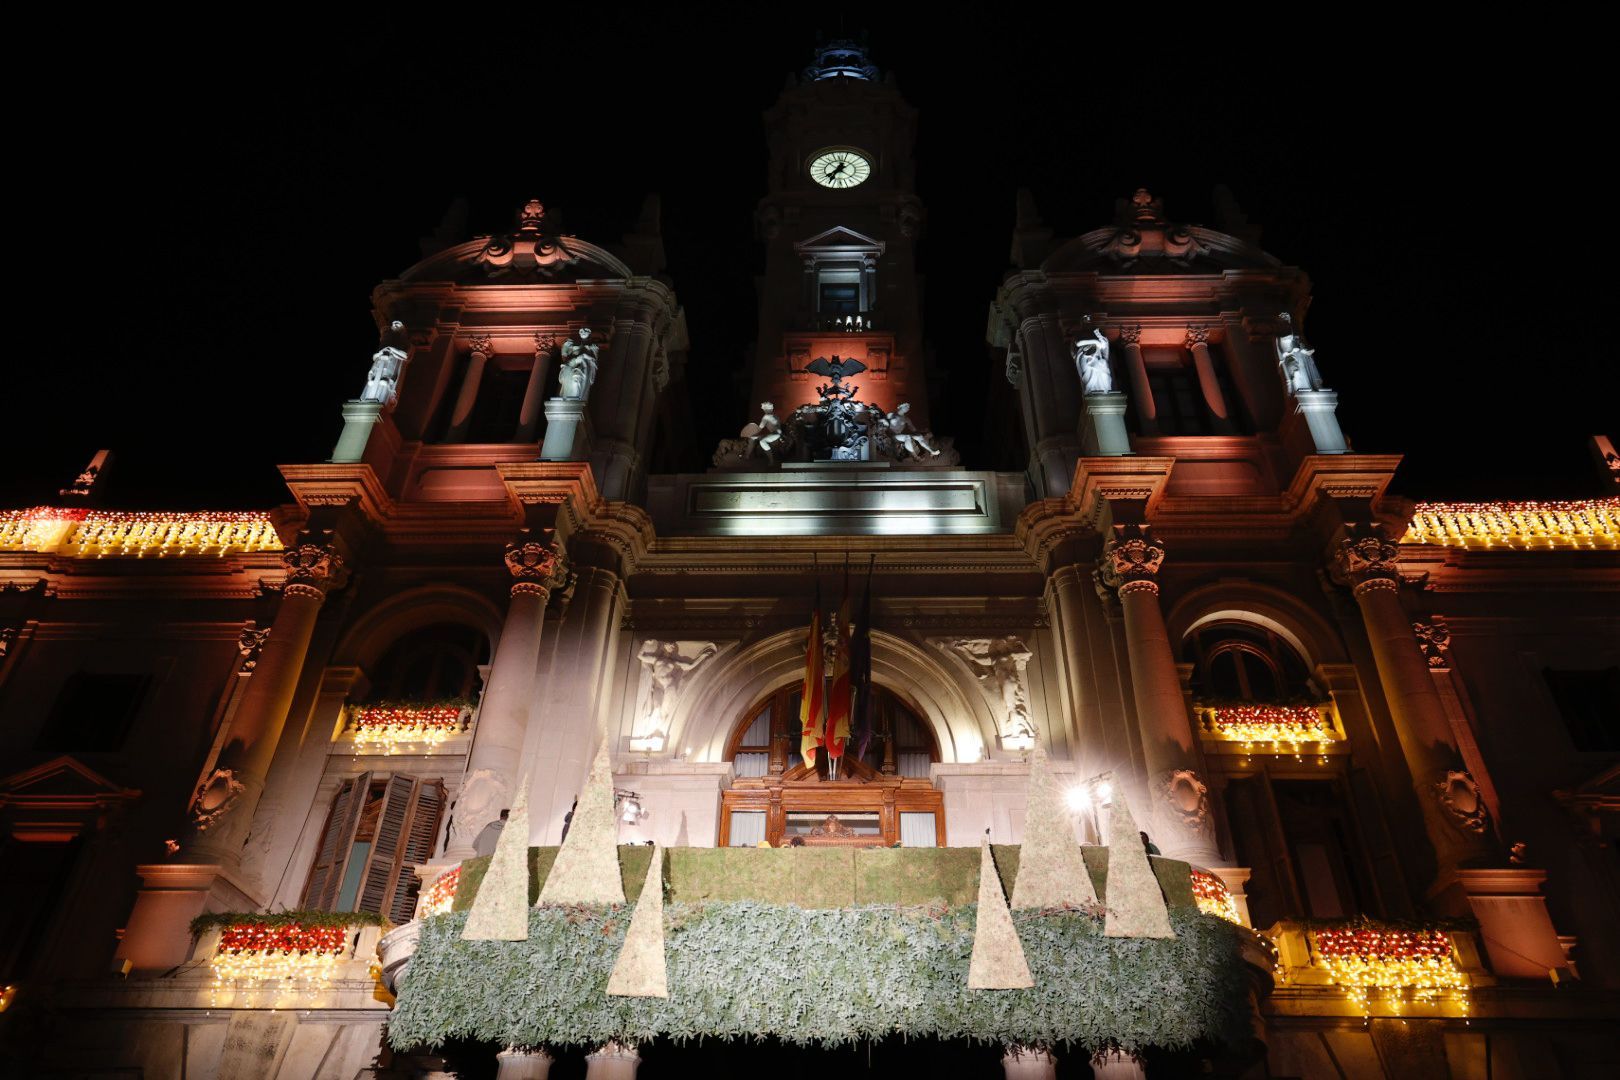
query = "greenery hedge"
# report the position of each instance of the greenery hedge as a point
(745, 970)
(824, 877)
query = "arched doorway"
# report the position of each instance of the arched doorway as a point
(883, 796)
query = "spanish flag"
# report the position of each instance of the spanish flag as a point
(812, 700)
(839, 703)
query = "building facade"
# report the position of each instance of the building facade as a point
(1336, 703)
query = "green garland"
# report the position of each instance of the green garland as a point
(746, 970)
(219, 920)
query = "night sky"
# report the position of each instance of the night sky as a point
(202, 244)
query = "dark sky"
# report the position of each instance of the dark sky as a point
(202, 243)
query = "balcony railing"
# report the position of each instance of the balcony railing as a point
(1280, 729)
(391, 728)
(859, 322)
(1382, 968)
(1591, 523)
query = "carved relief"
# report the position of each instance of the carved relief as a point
(1015, 367)
(8, 634)
(665, 669)
(1366, 555)
(1184, 801)
(1459, 794)
(1000, 665)
(483, 796)
(214, 798)
(1131, 558)
(536, 565)
(248, 645)
(313, 570)
(534, 249)
(1435, 641)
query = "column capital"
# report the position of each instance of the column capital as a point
(1131, 559)
(537, 565)
(1197, 335)
(313, 570)
(481, 343)
(1130, 335)
(1366, 559)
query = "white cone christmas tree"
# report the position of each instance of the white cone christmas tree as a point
(1051, 870)
(587, 867)
(500, 909)
(998, 956)
(1135, 902)
(639, 970)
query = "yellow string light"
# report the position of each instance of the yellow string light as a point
(390, 728)
(252, 952)
(1587, 523)
(1213, 897)
(1284, 728)
(1395, 965)
(437, 897)
(95, 534)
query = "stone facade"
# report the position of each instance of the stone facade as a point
(186, 732)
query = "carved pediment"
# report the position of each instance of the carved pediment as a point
(58, 800)
(839, 240)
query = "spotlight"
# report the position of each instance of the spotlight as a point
(1079, 798)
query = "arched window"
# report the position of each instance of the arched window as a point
(882, 795)
(1235, 661)
(901, 743)
(434, 663)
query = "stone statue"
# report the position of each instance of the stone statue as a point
(386, 364)
(1297, 362)
(999, 664)
(577, 373)
(483, 795)
(912, 442)
(765, 435)
(666, 664)
(1091, 359)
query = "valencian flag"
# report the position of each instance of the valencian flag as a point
(860, 668)
(812, 700)
(838, 701)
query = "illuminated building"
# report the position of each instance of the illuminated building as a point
(1337, 704)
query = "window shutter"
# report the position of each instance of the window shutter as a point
(332, 856)
(418, 848)
(405, 832)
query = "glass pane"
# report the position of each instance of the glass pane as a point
(912, 764)
(759, 732)
(917, 830)
(752, 764)
(801, 824)
(747, 828)
(351, 876)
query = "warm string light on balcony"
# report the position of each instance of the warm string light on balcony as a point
(1589, 523)
(392, 728)
(289, 952)
(437, 897)
(1396, 965)
(95, 534)
(1276, 729)
(1213, 897)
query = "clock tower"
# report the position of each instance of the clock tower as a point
(840, 223)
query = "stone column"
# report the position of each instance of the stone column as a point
(515, 1064)
(1453, 809)
(503, 717)
(1198, 344)
(614, 1061)
(534, 392)
(1028, 1063)
(1178, 798)
(461, 416)
(1147, 422)
(222, 808)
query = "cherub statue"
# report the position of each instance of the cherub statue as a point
(1091, 360)
(1297, 362)
(577, 373)
(386, 363)
(912, 442)
(764, 435)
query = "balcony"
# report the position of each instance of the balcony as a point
(1299, 730)
(860, 322)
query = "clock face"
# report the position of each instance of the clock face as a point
(839, 168)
